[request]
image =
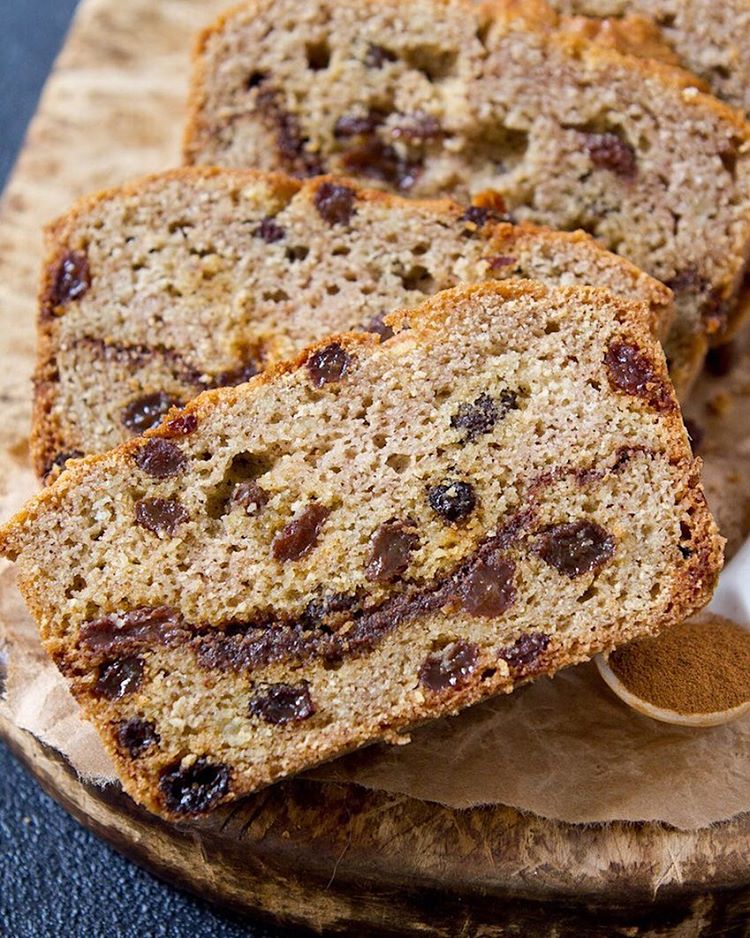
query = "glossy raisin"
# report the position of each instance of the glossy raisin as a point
(147, 411)
(160, 458)
(524, 654)
(576, 547)
(487, 588)
(450, 667)
(301, 534)
(328, 364)
(283, 703)
(136, 735)
(195, 789)
(72, 279)
(390, 552)
(250, 496)
(119, 677)
(452, 500)
(160, 515)
(335, 203)
(608, 151)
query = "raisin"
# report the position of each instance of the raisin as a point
(631, 371)
(283, 703)
(418, 126)
(328, 364)
(301, 534)
(250, 496)
(289, 138)
(146, 625)
(72, 279)
(59, 461)
(135, 736)
(352, 125)
(523, 655)
(477, 418)
(145, 412)
(576, 547)
(377, 55)
(119, 677)
(269, 230)
(377, 326)
(608, 151)
(721, 359)
(160, 515)
(476, 215)
(499, 261)
(486, 588)
(688, 280)
(160, 459)
(326, 607)
(452, 500)
(194, 789)
(378, 160)
(335, 203)
(183, 425)
(391, 549)
(450, 667)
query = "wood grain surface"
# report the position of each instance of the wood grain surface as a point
(333, 857)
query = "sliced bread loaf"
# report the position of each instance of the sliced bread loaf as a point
(448, 96)
(156, 291)
(368, 537)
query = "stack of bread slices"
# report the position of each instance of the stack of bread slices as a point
(363, 415)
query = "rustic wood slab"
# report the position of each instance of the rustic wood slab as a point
(336, 858)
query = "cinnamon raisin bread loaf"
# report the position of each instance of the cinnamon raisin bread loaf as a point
(195, 278)
(709, 38)
(368, 537)
(449, 96)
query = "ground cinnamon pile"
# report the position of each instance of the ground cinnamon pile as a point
(695, 667)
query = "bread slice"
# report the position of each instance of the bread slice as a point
(711, 39)
(156, 291)
(368, 537)
(449, 96)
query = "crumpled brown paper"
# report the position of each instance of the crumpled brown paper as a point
(564, 748)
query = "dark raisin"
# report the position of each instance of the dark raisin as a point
(183, 425)
(377, 160)
(119, 677)
(608, 151)
(524, 654)
(194, 789)
(486, 588)
(452, 500)
(721, 359)
(269, 230)
(301, 534)
(631, 371)
(72, 279)
(160, 515)
(352, 125)
(481, 416)
(499, 261)
(695, 432)
(688, 280)
(145, 412)
(283, 703)
(476, 215)
(391, 549)
(59, 461)
(250, 496)
(377, 326)
(135, 736)
(118, 632)
(289, 138)
(335, 203)
(418, 126)
(376, 56)
(576, 547)
(160, 459)
(450, 667)
(328, 364)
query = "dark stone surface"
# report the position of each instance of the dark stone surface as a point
(55, 878)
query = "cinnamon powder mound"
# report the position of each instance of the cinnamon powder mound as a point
(694, 667)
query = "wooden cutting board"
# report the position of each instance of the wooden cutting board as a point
(334, 857)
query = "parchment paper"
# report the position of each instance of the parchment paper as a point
(563, 748)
